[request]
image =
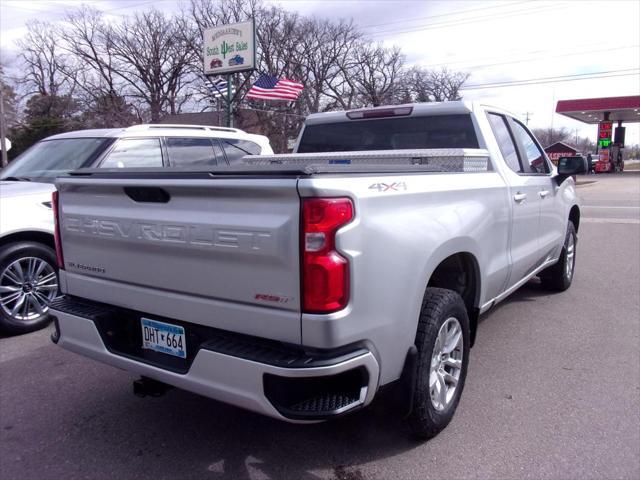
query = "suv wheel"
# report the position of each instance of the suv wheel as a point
(442, 341)
(28, 283)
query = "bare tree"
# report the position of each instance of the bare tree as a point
(150, 64)
(152, 58)
(374, 73)
(86, 39)
(43, 61)
(549, 136)
(421, 85)
(325, 52)
(9, 100)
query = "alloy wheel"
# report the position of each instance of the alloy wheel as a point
(446, 364)
(570, 257)
(27, 287)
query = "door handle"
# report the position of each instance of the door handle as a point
(520, 197)
(543, 193)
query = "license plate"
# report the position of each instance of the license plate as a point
(163, 337)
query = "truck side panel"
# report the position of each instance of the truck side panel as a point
(404, 227)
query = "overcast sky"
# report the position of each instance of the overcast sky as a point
(495, 41)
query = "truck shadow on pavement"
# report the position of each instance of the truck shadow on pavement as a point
(529, 292)
(183, 435)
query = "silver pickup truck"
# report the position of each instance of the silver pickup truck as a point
(299, 285)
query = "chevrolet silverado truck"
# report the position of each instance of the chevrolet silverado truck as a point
(299, 285)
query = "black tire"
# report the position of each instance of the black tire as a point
(8, 255)
(438, 306)
(556, 277)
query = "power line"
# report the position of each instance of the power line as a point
(70, 8)
(456, 23)
(527, 52)
(558, 79)
(571, 54)
(457, 12)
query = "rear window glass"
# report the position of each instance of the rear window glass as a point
(236, 149)
(441, 131)
(134, 152)
(190, 151)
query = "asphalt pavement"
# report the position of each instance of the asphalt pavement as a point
(553, 392)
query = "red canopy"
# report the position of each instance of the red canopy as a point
(591, 110)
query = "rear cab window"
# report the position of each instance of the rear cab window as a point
(419, 132)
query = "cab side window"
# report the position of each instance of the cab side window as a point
(505, 142)
(134, 152)
(190, 151)
(534, 161)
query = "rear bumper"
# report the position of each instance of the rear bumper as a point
(285, 386)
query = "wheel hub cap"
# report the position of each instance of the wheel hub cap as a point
(27, 286)
(446, 364)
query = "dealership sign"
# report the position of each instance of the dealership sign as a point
(230, 48)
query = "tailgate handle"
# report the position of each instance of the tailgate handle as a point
(147, 194)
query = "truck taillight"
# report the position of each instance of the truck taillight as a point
(56, 234)
(325, 273)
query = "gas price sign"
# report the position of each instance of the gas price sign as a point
(604, 134)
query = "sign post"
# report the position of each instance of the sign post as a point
(230, 49)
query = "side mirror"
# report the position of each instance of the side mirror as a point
(568, 166)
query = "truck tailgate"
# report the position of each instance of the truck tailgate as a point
(221, 252)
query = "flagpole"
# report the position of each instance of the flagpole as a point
(229, 101)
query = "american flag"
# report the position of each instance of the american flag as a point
(218, 87)
(268, 87)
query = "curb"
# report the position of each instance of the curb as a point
(586, 183)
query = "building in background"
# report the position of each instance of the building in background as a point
(559, 149)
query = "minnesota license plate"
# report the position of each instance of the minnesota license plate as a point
(163, 337)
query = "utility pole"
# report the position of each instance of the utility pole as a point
(527, 115)
(3, 129)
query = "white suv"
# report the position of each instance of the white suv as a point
(28, 276)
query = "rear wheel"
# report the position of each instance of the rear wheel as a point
(558, 277)
(442, 341)
(28, 283)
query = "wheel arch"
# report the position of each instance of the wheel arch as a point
(37, 236)
(460, 271)
(574, 216)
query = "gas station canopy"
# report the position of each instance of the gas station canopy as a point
(592, 110)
